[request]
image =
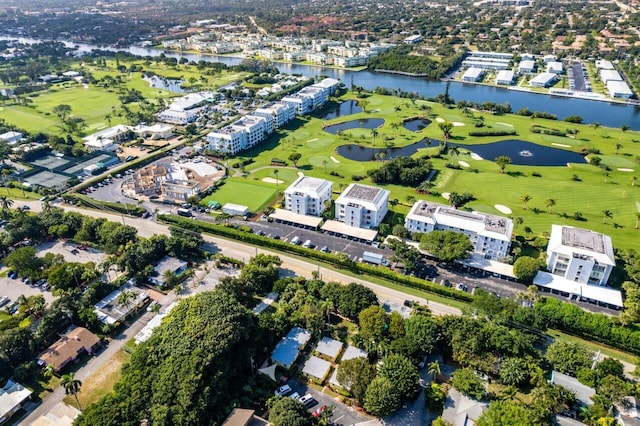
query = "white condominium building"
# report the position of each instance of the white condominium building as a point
(242, 134)
(280, 113)
(580, 255)
(301, 104)
(307, 195)
(362, 206)
(490, 235)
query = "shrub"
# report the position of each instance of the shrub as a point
(493, 133)
(526, 268)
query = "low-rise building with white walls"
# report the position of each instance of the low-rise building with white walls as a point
(490, 235)
(307, 195)
(527, 66)
(505, 77)
(242, 134)
(301, 104)
(362, 206)
(544, 79)
(279, 112)
(473, 75)
(580, 255)
(619, 89)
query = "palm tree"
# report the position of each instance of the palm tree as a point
(424, 187)
(508, 393)
(550, 203)
(503, 161)
(324, 163)
(223, 217)
(71, 386)
(637, 220)
(395, 126)
(434, 369)
(518, 221)
(634, 179)
(276, 172)
(525, 199)
(606, 214)
(606, 176)
(618, 147)
(454, 151)
(595, 126)
(5, 203)
(374, 133)
(127, 297)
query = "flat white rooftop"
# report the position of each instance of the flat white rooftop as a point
(349, 231)
(596, 293)
(289, 216)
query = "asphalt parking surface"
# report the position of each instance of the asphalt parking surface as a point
(342, 414)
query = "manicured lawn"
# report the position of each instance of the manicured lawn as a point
(595, 347)
(590, 195)
(101, 382)
(245, 192)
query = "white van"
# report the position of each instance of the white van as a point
(295, 240)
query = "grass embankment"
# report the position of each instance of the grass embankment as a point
(575, 188)
(594, 346)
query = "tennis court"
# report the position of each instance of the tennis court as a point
(50, 162)
(47, 179)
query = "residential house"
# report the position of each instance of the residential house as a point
(287, 350)
(12, 397)
(11, 138)
(112, 310)
(68, 348)
(460, 410)
(167, 264)
(582, 392)
(329, 349)
(108, 139)
(317, 368)
(244, 417)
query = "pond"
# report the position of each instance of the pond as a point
(417, 124)
(345, 108)
(169, 84)
(365, 123)
(525, 153)
(363, 153)
(521, 152)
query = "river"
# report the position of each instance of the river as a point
(605, 113)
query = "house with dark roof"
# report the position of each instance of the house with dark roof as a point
(68, 348)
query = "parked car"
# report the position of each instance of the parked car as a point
(325, 249)
(308, 400)
(295, 240)
(308, 244)
(319, 411)
(294, 395)
(283, 390)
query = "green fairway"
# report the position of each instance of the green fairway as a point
(577, 188)
(245, 192)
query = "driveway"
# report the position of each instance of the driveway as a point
(342, 414)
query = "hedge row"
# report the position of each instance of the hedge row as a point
(249, 237)
(128, 209)
(493, 133)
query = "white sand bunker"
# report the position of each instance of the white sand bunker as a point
(463, 163)
(312, 140)
(504, 124)
(334, 159)
(625, 170)
(272, 180)
(300, 174)
(458, 124)
(446, 195)
(440, 119)
(476, 156)
(503, 209)
(562, 145)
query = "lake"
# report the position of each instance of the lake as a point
(345, 108)
(169, 84)
(605, 113)
(365, 123)
(416, 124)
(522, 153)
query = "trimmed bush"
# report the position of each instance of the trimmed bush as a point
(493, 133)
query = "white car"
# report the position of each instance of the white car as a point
(294, 395)
(283, 390)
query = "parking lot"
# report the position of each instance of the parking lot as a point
(72, 252)
(14, 288)
(342, 414)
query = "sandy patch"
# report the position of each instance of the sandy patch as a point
(300, 174)
(475, 156)
(458, 124)
(463, 163)
(504, 124)
(440, 119)
(562, 145)
(625, 170)
(312, 140)
(272, 180)
(334, 159)
(503, 209)
(446, 195)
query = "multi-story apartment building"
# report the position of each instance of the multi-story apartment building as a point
(307, 195)
(362, 206)
(241, 134)
(580, 255)
(279, 113)
(490, 235)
